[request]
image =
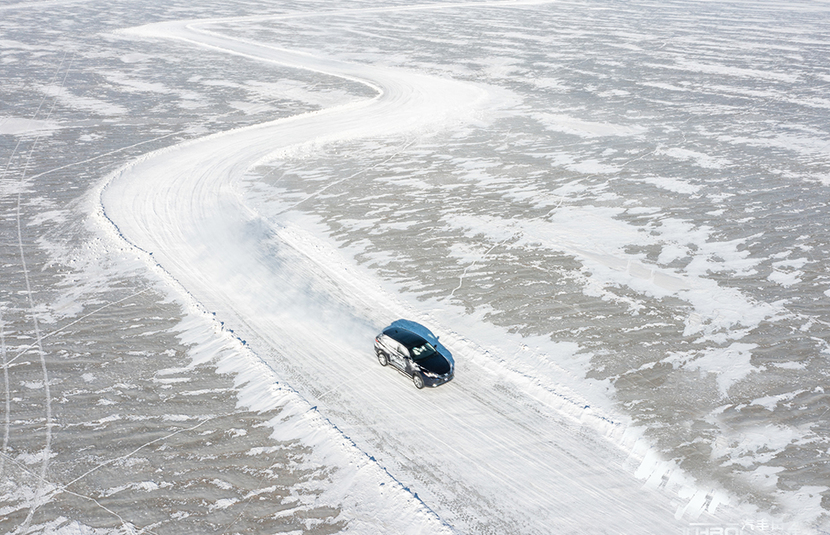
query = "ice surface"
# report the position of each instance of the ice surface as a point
(614, 215)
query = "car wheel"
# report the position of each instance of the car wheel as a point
(418, 379)
(382, 358)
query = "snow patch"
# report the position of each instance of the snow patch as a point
(17, 126)
(730, 364)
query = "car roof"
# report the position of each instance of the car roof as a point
(414, 327)
(407, 338)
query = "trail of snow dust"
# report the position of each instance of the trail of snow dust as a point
(472, 450)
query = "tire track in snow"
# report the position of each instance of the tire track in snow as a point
(47, 449)
(7, 398)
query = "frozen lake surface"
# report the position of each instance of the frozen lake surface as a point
(613, 213)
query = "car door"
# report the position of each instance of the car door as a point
(399, 357)
(388, 345)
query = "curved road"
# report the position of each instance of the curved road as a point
(486, 455)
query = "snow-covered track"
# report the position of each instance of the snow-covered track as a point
(483, 454)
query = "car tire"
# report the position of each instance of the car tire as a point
(382, 358)
(418, 380)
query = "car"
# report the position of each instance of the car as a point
(414, 351)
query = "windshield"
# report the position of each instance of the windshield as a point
(423, 351)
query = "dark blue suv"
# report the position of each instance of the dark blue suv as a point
(414, 351)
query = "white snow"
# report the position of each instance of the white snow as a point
(589, 129)
(18, 126)
(79, 102)
(701, 159)
(730, 364)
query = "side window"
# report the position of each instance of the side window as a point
(403, 351)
